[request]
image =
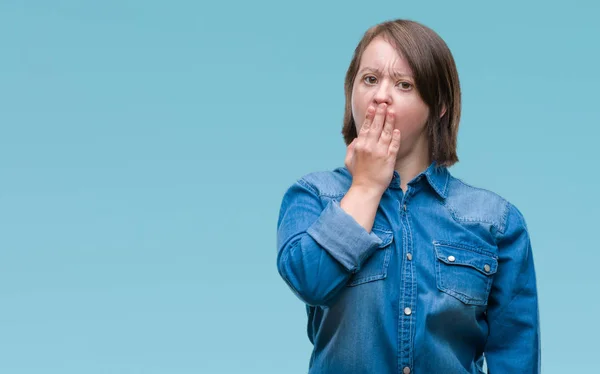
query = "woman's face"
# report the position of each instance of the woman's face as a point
(385, 77)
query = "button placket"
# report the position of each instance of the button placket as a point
(408, 291)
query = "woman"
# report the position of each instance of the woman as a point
(404, 268)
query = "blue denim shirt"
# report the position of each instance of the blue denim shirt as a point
(444, 278)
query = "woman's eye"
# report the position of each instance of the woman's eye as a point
(369, 79)
(405, 85)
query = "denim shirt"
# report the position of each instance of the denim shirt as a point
(444, 281)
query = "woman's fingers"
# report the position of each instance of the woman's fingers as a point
(377, 125)
(388, 127)
(378, 128)
(395, 143)
(370, 156)
(366, 126)
(349, 155)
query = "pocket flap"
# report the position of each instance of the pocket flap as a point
(386, 236)
(485, 262)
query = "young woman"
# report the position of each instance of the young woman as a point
(404, 268)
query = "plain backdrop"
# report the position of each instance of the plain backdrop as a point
(145, 147)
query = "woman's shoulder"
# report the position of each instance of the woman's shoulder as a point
(333, 182)
(458, 187)
(470, 203)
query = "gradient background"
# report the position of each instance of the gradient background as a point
(145, 147)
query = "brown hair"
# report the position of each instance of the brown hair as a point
(436, 80)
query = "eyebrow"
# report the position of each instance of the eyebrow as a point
(397, 74)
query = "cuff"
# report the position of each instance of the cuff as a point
(342, 237)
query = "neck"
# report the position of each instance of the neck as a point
(411, 165)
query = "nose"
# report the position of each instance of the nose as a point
(383, 95)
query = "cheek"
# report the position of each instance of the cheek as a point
(359, 102)
(355, 109)
(411, 118)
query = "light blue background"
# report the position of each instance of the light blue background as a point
(145, 147)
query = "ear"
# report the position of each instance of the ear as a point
(443, 111)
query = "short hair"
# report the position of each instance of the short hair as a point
(436, 81)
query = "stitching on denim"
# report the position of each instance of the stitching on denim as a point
(446, 182)
(433, 182)
(382, 228)
(479, 188)
(461, 245)
(309, 185)
(464, 298)
(381, 275)
(492, 262)
(492, 257)
(333, 196)
(401, 298)
(502, 199)
(386, 248)
(413, 316)
(319, 193)
(457, 294)
(384, 243)
(467, 299)
(458, 219)
(368, 279)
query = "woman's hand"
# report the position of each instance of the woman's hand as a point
(371, 156)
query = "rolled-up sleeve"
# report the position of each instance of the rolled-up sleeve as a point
(318, 247)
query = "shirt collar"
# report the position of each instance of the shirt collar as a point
(437, 176)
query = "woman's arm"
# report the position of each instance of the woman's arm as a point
(513, 344)
(319, 249)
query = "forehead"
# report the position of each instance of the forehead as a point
(380, 54)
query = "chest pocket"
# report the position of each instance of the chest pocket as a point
(464, 271)
(376, 266)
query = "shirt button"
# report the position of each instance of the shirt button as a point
(409, 256)
(487, 268)
(407, 311)
(404, 207)
(406, 370)
(452, 259)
